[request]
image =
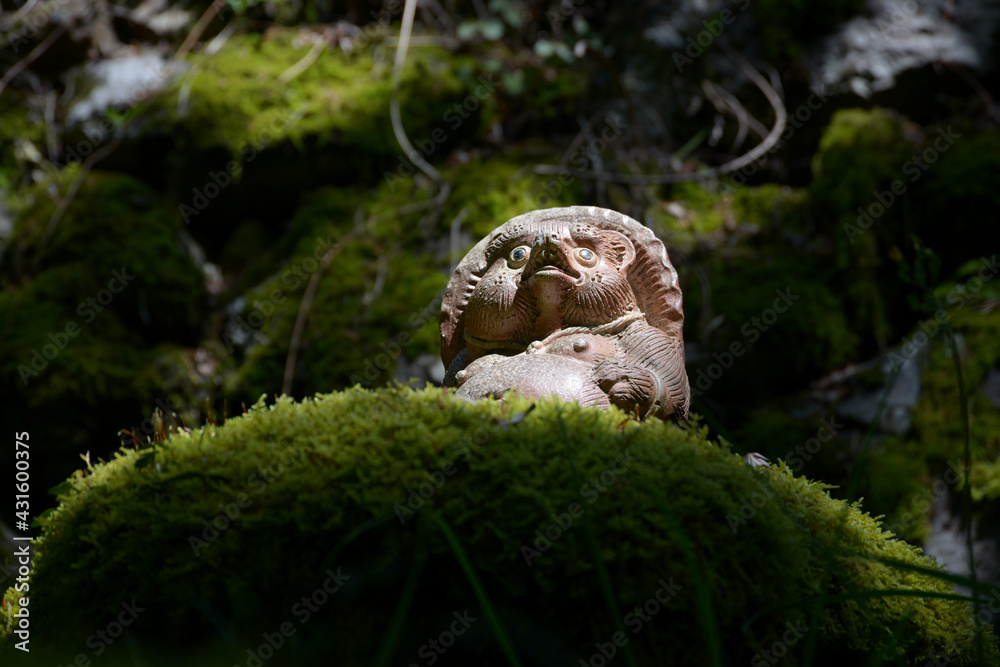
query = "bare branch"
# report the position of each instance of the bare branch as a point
(725, 101)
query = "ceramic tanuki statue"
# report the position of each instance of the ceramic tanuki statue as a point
(581, 302)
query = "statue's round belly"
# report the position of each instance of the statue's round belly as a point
(536, 376)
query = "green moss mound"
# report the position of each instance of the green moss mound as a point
(416, 508)
(252, 93)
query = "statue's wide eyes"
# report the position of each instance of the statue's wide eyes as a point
(586, 256)
(519, 255)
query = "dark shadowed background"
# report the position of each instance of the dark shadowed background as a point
(204, 203)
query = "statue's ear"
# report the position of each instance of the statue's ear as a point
(621, 250)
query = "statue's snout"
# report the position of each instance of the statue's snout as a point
(546, 247)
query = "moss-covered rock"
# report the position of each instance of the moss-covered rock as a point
(380, 296)
(410, 506)
(870, 175)
(251, 128)
(115, 234)
(862, 151)
(918, 461)
(904, 474)
(88, 307)
(286, 111)
(246, 92)
(761, 279)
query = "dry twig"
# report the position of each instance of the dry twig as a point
(724, 101)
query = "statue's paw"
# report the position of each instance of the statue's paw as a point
(610, 372)
(628, 386)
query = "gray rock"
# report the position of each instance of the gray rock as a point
(947, 544)
(117, 82)
(868, 52)
(862, 405)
